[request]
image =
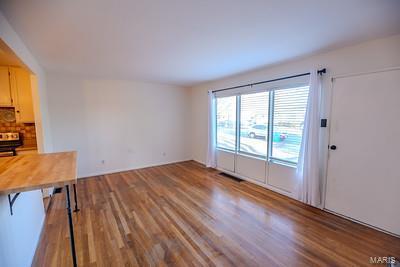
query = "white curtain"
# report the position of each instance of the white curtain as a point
(212, 140)
(309, 186)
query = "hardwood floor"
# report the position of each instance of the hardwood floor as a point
(184, 214)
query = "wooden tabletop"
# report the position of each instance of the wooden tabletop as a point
(36, 171)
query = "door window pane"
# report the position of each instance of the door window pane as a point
(289, 111)
(226, 122)
(254, 123)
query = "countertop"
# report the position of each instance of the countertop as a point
(37, 171)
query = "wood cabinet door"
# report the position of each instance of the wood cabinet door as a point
(23, 101)
(5, 92)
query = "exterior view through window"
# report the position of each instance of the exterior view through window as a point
(289, 112)
(254, 123)
(226, 122)
(271, 123)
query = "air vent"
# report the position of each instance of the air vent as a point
(57, 190)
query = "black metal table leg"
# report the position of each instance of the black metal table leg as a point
(76, 199)
(71, 227)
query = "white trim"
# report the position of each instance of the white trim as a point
(282, 163)
(289, 194)
(265, 185)
(237, 130)
(328, 139)
(225, 149)
(133, 168)
(360, 222)
(198, 161)
(39, 237)
(252, 156)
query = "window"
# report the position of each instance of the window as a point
(226, 122)
(288, 120)
(254, 123)
(270, 122)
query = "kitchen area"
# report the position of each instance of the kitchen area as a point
(17, 120)
(18, 133)
(21, 215)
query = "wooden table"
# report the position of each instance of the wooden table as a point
(37, 171)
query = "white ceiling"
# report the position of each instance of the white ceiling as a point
(185, 42)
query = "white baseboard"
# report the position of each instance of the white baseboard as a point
(199, 161)
(360, 222)
(265, 185)
(288, 194)
(39, 237)
(130, 168)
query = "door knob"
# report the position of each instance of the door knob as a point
(333, 147)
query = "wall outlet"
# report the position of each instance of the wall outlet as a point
(164, 154)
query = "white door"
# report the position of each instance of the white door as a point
(363, 179)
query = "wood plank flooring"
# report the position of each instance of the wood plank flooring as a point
(186, 215)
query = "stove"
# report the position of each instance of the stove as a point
(9, 142)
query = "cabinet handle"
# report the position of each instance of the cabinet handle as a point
(17, 111)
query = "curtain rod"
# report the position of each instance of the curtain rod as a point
(320, 72)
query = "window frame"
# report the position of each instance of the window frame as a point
(270, 126)
(245, 153)
(216, 128)
(270, 157)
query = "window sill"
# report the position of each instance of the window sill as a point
(251, 156)
(241, 154)
(274, 161)
(283, 163)
(225, 150)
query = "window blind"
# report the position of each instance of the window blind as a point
(288, 122)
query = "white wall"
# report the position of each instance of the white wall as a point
(376, 54)
(20, 233)
(125, 123)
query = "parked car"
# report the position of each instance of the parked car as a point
(258, 130)
(261, 131)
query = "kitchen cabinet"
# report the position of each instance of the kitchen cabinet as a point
(16, 91)
(5, 89)
(21, 88)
